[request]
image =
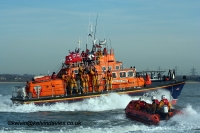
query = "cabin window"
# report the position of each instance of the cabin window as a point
(75, 71)
(130, 74)
(122, 74)
(103, 68)
(110, 67)
(117, 67)
(114, 75)
(121, 66)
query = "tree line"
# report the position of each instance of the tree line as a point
(15, 77)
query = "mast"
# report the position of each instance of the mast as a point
(79, 43)
(95, 26)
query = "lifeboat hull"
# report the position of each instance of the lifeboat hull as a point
(59, 95)
(147, 117)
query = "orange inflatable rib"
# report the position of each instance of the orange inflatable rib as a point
(148, 117)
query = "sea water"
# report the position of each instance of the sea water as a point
(104, 114)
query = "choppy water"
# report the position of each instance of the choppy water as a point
(104, 114)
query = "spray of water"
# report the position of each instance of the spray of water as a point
(179, 123)
(110, 102)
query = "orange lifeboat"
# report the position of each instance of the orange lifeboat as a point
(148, 117)
(103, 75)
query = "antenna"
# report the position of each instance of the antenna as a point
(95, 27)
(89, 30)
(110, 44)
(159, 68)
(79, 43)
(90, 25)
(176, 70)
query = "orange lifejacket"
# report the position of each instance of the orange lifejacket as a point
(156, 101)
(142, 104)
(109, 76)
(166, 102)
(85, 78)
(53, 76)
(72, 79)
(96, 75)
(80, 70)
(83, 54)
(65, 77)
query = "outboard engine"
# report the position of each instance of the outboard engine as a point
(165, 109)
(19, 92)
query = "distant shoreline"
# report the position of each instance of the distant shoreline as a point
(12, 82)
(192, 81)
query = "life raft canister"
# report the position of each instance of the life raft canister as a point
(165, 109)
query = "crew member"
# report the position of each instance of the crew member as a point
(80, 70)
(134, 70)
(78, 81)
(83, 54)
(98, 54)
(108, 80)
(72, 83)
(167, 78)
(140, 104)
(147, 107)
(155, 104)
(53, 76)
(94, 74)
(84, 81)
(27, 87)
(105, 51)
(163, 102)
(68, 69)
(137, 106)
(66, 77)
